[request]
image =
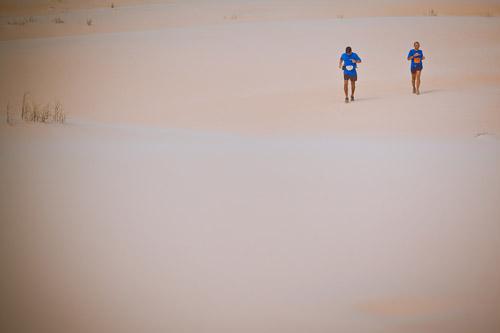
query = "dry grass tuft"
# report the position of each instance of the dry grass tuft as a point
(22, 21)
(432, 12)
(59, 115)
(37, 113)
(10, 119)
(58, 20)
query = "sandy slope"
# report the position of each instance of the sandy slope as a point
(134, 15)
(270, 76)
(211, 179)
(135, 229)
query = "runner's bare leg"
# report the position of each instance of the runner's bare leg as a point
(418, 81)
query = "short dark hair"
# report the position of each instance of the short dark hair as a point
(348, 49)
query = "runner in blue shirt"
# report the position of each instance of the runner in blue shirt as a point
(350, 61)
(416, 56)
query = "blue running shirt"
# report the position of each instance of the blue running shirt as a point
(417, 61)
(348, 62)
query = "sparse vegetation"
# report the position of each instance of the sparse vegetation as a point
(10, 120)
(89, 22)
(49, 113)
(432, 12)
(22, 21)
(59, 116)
(340, 16)
(58, 20)
(112, 5)
(478, 135)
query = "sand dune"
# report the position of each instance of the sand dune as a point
(133, 15)
(210, 177)
(127, 229)
(268, 77)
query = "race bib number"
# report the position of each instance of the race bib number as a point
(349, 68)
(416, 60)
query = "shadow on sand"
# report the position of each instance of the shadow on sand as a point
(425, 92)
(365, 99)
(373, 98)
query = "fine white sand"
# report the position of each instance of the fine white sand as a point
(210, 178)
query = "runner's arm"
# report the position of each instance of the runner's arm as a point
(340, 62)
(356, 59)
